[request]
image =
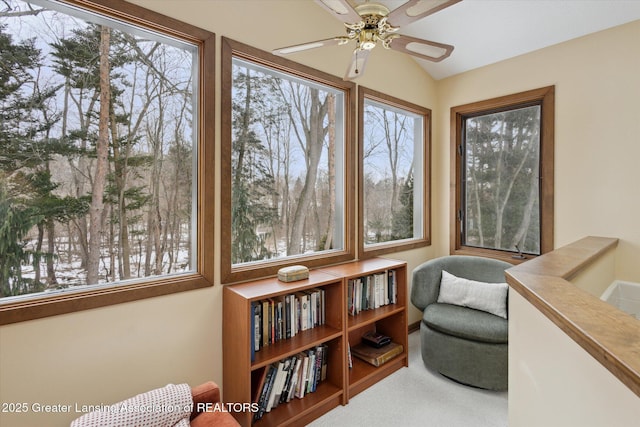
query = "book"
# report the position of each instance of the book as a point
(265, 323)
(376, 356)
(252, 337)
(266, 392)
(281, 380)
(295, 378)
(284, 396)
(304, 310)
(375, 339)
(302, 378)
(256, 328)
(311, 370)
(277, 385)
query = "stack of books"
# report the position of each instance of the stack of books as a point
(292, 377)
(376, 356)
(283, 317)
(375, 349)
(370, 292)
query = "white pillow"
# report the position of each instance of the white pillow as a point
(489, 297)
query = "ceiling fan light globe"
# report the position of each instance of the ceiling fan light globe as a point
(368, 45)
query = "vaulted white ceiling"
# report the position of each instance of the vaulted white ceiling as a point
(488, 31)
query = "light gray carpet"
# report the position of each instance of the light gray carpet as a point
(416, 396)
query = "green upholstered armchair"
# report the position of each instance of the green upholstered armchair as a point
(465, 344)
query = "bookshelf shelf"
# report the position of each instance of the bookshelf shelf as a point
(242, 376)
(291, 346)
(294, 412)
(371, 316)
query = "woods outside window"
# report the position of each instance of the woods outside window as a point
(394, 182)
(503, 174)
(104, 134)
(286, 172)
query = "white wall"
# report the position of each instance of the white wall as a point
(553, 382)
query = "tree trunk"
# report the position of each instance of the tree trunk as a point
(120, 180)
(51, 273)
(331, 108)
(314, 140)
(102, 152)
(38, 254)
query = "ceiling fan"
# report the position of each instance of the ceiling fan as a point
(371, 23)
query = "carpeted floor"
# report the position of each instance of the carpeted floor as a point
(415, 396)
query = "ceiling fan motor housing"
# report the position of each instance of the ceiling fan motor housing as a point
(372, 27)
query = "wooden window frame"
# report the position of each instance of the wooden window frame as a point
(545, 97)
(229, 272)
(73, 301)
(406, 244)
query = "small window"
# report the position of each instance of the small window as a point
(286, 165)
(102, 131)
(503, 150)
(394, 179)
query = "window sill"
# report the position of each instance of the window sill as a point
(63, 303)
(510, 257)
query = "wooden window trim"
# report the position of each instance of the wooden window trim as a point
(401, 245)
(72, 301)
(545, 97)
(230, 273)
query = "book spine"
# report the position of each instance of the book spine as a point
(382, 359)
(266, 392)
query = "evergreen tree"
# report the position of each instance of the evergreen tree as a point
(402, 221)
(15, 221)
(252, 182)
(17, 151)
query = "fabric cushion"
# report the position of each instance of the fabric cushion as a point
(489, 297)
(163, 407)
(463, 322)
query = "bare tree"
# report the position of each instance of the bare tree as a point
(96, 209)
(310, 112)
(331, 128)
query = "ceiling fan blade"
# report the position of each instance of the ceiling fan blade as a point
(358, 62)
(310, 45)
(417, 9)
(341, 9)
(424, 49)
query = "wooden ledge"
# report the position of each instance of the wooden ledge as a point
(609, 335)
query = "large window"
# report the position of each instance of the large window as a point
(286, 164)
(102, 134)
(503, 150)
(394, 174)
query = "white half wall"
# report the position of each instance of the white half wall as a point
(554, 382)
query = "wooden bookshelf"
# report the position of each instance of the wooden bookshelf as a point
(390, 320)
(339, 330)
